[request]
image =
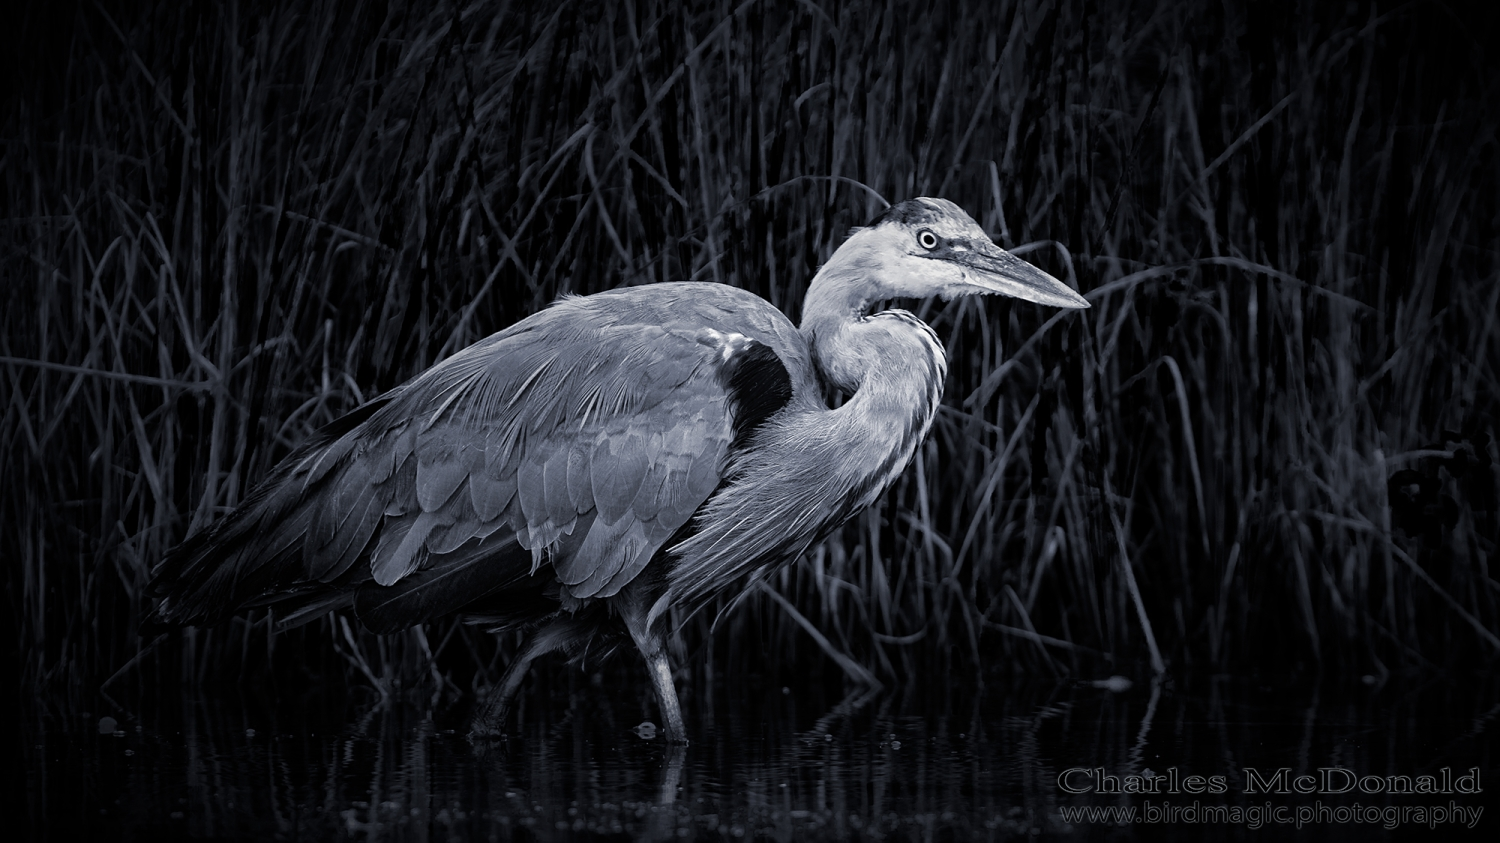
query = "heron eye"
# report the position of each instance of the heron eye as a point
(927, 239)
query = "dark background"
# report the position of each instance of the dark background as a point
(1269, 447)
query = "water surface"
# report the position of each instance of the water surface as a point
(923, 762)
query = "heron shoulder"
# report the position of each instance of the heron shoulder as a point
(705, 311)
(757, 352)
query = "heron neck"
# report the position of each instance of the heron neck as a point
(892, 367)
(833, 312)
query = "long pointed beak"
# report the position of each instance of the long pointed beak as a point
(995, 270)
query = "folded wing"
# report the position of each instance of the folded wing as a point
(559, 455)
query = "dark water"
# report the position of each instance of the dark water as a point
(925, 762)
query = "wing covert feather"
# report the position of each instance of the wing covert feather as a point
(443, 465)
(618, 466)
(580, 486)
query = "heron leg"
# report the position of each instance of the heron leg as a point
(489, 720)
(654, 648)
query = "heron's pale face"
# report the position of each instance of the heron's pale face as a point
(930, 247)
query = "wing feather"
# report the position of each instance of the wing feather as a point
(390, 451)
(401, 548)
(472, 572)
(323, 525)
(555, 479)
(580, 486)
(490, 494)
(400, 490)
(606, 550)
(619, 466)
(442, 466)
(531, 491)
(339, 555)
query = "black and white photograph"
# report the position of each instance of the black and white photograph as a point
(777, 420)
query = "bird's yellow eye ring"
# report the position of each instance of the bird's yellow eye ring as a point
(927, 240)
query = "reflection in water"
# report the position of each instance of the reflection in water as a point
(950, 764)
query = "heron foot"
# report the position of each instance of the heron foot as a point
(484, 732)
(488, 722)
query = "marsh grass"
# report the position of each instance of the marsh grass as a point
(1270, 445)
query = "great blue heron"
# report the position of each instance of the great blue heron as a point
(609, 458)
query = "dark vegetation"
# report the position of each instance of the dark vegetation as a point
(1270, 446)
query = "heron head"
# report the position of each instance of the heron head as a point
(929, 247)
